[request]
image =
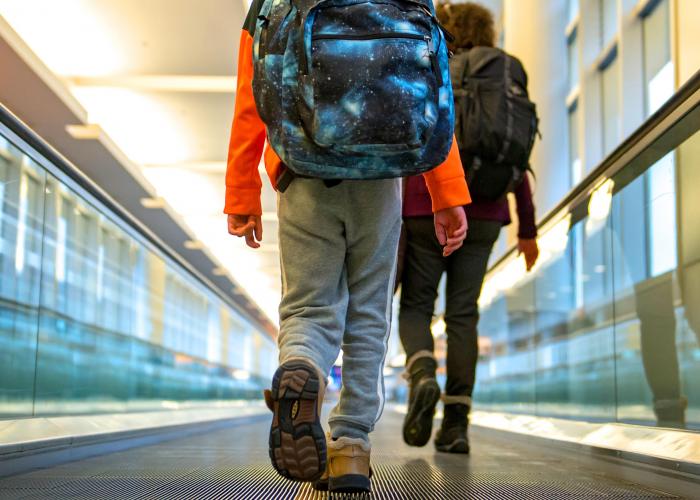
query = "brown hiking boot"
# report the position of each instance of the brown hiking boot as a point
(348, 467)
(297, 442)
(322, 483)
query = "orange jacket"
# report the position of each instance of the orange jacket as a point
(446, 183)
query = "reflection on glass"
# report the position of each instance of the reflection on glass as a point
(661, 209)
(610, 80)
(92, 319)
(658, 67)
(572, 51)
(608, 20)
(610, 321)
(573, 9)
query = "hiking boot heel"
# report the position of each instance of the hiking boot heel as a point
(297, 442)
(418, 424)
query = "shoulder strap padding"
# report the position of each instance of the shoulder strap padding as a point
(459, 64)
(481, 57)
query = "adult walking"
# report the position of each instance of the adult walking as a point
(493, 170)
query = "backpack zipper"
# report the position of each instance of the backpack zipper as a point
(391, 34)
(374, 36)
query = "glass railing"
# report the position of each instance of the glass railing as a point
(607, 325)
(95, 318)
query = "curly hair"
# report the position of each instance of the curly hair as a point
(471, 24)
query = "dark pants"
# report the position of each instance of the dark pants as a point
(466, 268)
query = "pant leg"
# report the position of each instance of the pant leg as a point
(466, 269)
(423, 268)
(314, 286)
(373, 224)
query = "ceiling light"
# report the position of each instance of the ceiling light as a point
(153, 202)
(191, 194)
(200, 167)
(73, 37)
(143, 126)
(84, 132)
(161, 83)
(194, 245)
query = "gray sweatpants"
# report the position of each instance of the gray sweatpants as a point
(338, 255)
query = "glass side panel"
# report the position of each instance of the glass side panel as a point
(688, 276)
(93, 320)
(21, 214)
(508, 371)
(616, 298)
(82, 364)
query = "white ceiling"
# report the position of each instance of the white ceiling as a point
(159, 77)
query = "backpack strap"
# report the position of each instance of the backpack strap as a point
(459, 65)
(480, 57)
(304, 7)
(509, 104)
(285, 179)
(288, 175)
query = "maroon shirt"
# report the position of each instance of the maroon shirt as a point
(417, 203)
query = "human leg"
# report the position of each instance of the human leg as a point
(423, 267)
(466, 269)
(372, 227)
(312, 319)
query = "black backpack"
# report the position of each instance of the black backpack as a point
(495, 121)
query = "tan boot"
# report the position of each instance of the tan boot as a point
(348, 465)
(297, 441)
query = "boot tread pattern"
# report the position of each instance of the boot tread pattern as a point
(297, 442)
(418, 424)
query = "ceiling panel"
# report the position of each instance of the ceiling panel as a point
(192, 37)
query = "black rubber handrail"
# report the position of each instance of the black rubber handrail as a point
(53, 157)
(684, 101)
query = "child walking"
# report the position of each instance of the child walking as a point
(338, 238)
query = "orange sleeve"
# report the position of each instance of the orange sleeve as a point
(243, 184)
(446, 182)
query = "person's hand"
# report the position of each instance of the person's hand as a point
(529, 249)
(451, 228)
(248, 227)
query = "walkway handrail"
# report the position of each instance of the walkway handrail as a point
(679, 105)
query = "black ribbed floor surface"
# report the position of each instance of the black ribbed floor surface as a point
(233, 463)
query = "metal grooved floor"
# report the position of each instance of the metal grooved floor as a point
(232, 463)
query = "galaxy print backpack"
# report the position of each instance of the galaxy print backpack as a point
(354, 89)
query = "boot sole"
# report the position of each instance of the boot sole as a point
(321, 485)
(297, 442)
(456, 446)
(350, 483)
(418, 424)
